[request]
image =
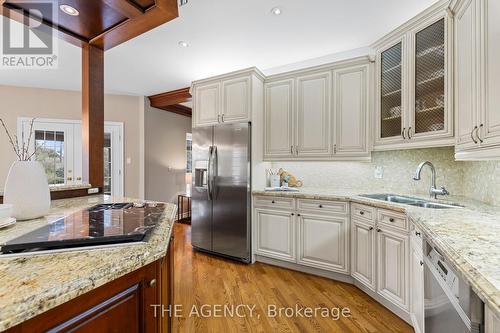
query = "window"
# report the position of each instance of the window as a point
(50, 152)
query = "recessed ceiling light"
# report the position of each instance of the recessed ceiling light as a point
(183, 44)
(67, 9)
(276, 11)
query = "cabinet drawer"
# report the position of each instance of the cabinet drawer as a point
(364, 212)
(322, 206)
(274, 202)
(392, 219)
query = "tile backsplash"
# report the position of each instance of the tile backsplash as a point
(479, 180)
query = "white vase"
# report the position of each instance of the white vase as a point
(27, 189)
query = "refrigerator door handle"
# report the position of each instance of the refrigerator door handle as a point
(215, 161)
(209, 173)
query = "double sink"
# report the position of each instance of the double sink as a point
(417, 202)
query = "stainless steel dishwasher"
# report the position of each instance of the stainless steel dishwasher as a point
(450, 305)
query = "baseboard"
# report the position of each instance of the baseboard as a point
(393, 308)
(305, 269)
(404, 315)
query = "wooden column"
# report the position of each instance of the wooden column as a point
(93, 115)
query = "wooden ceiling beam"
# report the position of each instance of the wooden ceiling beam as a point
(179, 109)
(170, 98)
(125, 7)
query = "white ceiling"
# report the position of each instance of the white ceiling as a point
(226, 35)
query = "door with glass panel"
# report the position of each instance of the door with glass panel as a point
(113, 184)
(54, 144)
(58, 145)
(391, 93)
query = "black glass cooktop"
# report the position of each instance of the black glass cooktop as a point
(97, 225)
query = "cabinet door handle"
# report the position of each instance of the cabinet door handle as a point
(409, 133)
(298, 214)
(370, 228)
(361, 213)
(272, 201)
(421, 263)
(379, 230)
(296, 150)
(472, 134)
(478, 132)
(291, 150)
(417, 233)
(320, 206)
(293, 214)
(152, 283)
(218, 118)
(222, 117)
(403, 133)
(391, 220)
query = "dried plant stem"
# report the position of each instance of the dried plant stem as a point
(22, 152)
(15, 147)
(28, 158)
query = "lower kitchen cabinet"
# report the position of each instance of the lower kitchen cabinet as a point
(363, 249)
(417, 288)
(393, 277)
(122, 305)
(492, 321)
(275, 233)
(323, 242)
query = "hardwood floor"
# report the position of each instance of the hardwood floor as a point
(203, 279)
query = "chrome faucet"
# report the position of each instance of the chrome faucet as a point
(434, 192)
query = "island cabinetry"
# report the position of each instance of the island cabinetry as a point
(122, 305)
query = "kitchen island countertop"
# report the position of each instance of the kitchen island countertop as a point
(31, 284)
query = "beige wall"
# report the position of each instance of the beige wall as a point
(46, 103)
(165, 154)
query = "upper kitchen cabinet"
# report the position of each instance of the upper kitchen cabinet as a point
(228, 98)
(319, 113)
(477, 70)
(413, 107)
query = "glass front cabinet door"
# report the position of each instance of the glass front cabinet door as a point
(414, 87)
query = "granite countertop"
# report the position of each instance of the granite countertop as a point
(63, 187)
(467, 237)
(32, 284)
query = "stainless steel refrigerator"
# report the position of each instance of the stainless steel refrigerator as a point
(221, 190)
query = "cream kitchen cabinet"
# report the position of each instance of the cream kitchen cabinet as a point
(477, 72)
(312, 116)
(392, 276)
(492, 321)
(380, 253)
(323, 241)
(309, 233)
(275, 231)
(227, 98)
(363, 250)
(279, 136)
(351, 101)
(414, 83)
(417, 286)
(320, 113)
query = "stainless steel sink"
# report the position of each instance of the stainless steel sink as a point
(410, 201)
